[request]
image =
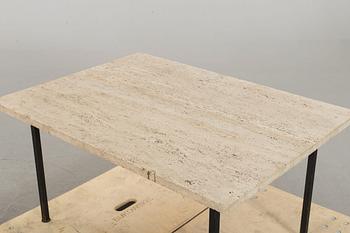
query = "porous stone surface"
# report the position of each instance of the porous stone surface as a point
(211, 137)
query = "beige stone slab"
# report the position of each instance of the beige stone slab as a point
(214, 138)
(90, 208)
(272, 211)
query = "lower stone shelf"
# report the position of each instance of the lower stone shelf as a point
(144, 207)
(121, 201)
(272, 211)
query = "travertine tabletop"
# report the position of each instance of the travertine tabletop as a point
(211, 137)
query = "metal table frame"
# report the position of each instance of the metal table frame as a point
(214, 216)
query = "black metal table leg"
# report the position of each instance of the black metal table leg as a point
(214, 221)
(40, 174)
(309, 183)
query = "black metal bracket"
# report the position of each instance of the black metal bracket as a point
(40, 174)
(309, 184)
(214, 221)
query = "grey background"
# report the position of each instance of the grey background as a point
(300, 46)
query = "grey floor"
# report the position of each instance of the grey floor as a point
(299, 46)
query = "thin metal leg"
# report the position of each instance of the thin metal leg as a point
(214, 221)
(40, 174)
(309, 183)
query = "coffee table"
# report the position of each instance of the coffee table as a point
(212, 138)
